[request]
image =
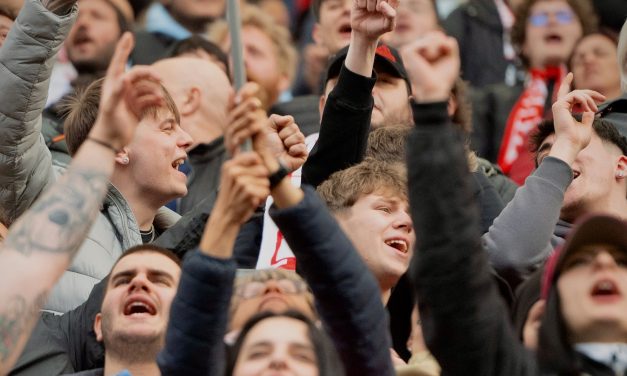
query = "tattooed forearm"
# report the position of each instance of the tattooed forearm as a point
(16, 316)
(59, 221)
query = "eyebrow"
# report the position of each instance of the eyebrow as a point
(542, 149)
(152, 273)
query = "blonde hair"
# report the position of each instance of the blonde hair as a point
(342, 189)
(279, 35)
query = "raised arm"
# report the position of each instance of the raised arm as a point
(26, 60)
(522, 235)
(346, 117)
(465, 324)
(199, 312)
(42, 243)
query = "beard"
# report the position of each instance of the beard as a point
(130, 348)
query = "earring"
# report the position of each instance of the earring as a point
(125, 160)
(620, 175)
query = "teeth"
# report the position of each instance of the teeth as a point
(401, 245)
(176, 164)
(605, 286)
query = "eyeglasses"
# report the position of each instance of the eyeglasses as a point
(562, 17)
(286, 286)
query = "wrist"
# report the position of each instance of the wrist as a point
(426, 95)
(100, 133)
(219, 237)
(361, 55)
(564, 150)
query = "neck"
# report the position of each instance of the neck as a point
(114, 366)
(203, 132)
(195, 26)
(612, 93)
(385, 296)
(144, 208)
(614, 204)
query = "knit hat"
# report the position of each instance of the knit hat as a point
(596, 229)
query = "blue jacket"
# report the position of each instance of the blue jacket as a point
(347, 298)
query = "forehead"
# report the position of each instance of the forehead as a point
(549, 5)
(101, 6)
(595, 41)
(383, 194)
(279, 330)
(141, 261)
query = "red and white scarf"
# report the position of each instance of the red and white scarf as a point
(514, 158)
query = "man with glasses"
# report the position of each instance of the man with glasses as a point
(269, 289)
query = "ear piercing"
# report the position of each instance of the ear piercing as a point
(125, 160)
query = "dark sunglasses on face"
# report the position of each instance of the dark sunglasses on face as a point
(562, 17)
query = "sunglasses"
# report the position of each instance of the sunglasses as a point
(562, 17)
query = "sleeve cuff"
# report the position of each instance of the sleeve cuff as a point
(430, 114)
(557, 171)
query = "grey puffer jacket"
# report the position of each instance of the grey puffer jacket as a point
(26, 60)
(26, 168)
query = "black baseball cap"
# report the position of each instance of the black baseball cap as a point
(385, 56)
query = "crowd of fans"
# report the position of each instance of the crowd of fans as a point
(452, 185)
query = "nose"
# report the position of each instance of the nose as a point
(138, 283)
(604, 259)
(184, 140)
(272, 286)
(403, 221)
(277, 363)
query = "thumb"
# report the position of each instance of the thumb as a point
(587, 118)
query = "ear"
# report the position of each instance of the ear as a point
(452, 105)
(98, 327)
(620, 172)
(315, 33)
(191, 103)
(321, 103)
(122, 158)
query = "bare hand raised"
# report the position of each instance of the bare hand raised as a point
(569, 131)
(246, 117)
(373, 18)
(286, 142)
(125, 96)
(432, 63)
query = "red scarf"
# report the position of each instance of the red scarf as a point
(515, 157)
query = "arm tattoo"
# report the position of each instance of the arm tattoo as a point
(15, 317)
(59, 221)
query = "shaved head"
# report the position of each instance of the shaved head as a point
(201, 91)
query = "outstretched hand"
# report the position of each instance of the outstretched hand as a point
(567, 129)
(373, 18)
(125, 96)
(432, 63)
